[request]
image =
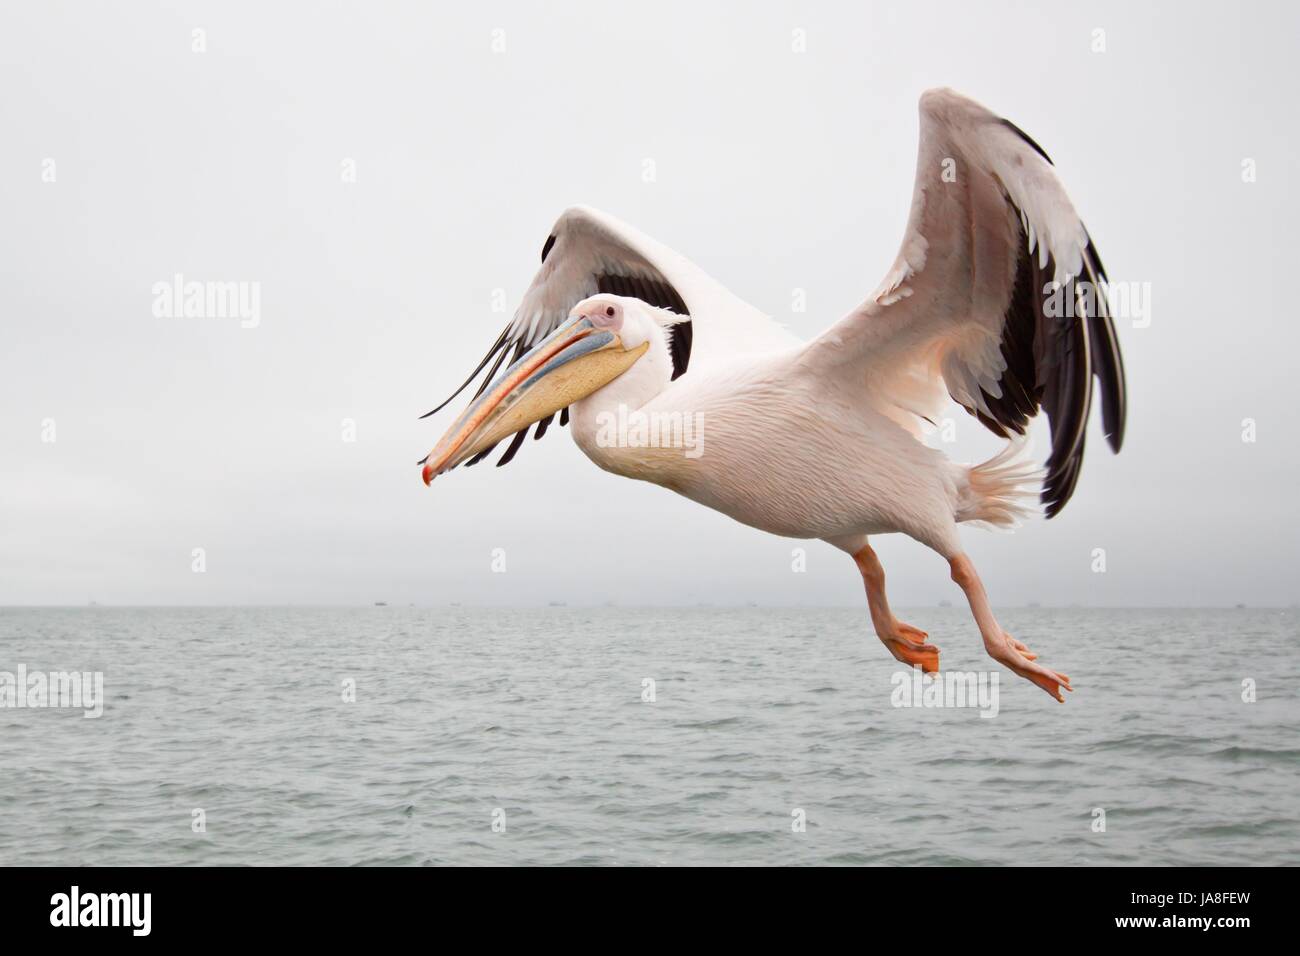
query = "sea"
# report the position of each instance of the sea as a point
(644, 737)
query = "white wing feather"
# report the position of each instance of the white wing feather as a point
(963, 311)
(589, 242)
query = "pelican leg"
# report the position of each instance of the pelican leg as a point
(905, 642)
(1001, 646)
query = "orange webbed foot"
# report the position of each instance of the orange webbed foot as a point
(908, 644)
(1023, 661)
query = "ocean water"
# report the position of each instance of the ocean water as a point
(534, 720)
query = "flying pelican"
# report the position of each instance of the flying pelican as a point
(996, 300)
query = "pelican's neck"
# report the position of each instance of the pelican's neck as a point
(605, 423)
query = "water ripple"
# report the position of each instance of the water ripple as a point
(506, 737)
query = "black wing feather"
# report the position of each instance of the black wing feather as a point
(481, 455)
(514, 446)
(1051, 362)
(1107, 362)
(1028, 139)
(499, 346)
(662, 296)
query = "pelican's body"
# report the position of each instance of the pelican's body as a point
(823, 439)
(776, 443)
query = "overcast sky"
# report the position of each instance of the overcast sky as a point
(128, 156)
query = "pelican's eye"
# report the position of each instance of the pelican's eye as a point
(607, 316)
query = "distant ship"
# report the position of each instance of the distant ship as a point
(381, 604)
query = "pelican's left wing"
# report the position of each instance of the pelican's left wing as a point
(997, 297)
(589, 251)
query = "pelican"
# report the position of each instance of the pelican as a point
(996, 301)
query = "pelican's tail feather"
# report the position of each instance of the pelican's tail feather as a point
(1001, 491)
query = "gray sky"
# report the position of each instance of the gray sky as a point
(776, 170)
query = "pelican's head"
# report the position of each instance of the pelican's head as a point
(603, 337)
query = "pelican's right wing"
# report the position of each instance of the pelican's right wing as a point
(589, 251)
(997, 297)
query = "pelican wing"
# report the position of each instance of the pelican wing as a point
(588, 251)
(997, 296)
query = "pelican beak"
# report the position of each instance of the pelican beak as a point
(572, 362)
